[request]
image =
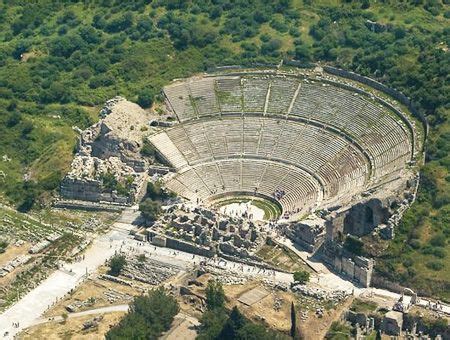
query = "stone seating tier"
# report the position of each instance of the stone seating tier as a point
(315, 140)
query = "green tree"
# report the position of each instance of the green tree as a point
(109, 181)
(147, 150)
(148, 317)
(254, 331)
(354, 245)
(378, 336)
(302, 53)
(149, 209)
(133, 326)
(29, 194)
(215, 296)
(145, 99)
(158, 309)
(116, 265)
(3, 245)
(212, 323)
(154, 191)
(235, 322)
(293, 331)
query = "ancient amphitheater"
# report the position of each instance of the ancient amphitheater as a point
(321, 155)
(302, 141)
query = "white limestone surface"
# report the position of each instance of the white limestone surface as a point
(239, 209)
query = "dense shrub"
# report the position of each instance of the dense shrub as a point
(116, 265)
(301, 276)
(150, 209)
(149, 316)
(435, 265)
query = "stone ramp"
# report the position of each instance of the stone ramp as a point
(129, 216)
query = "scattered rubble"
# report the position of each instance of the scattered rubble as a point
(206, 232)
(148, 270)
(13, 264)
(37, 248)
(115, 279)
(277, 303)
(113, 296)
(320, 294)
(77, 305)
(92, 323)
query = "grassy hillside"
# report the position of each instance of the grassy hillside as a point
(60, 62)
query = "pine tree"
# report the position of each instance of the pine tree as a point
(293, 322)
(378, 336)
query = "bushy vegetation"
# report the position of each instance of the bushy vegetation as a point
(60, 61)
(148, 150)
(157, 193)
(363, 306)
(301, 276)
(116, 265)
(110, 184)
(3, 245)
(354, 245)
(339, 331)
(149, 316)
(150, 209)
(215, 296)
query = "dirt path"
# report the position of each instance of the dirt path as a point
(37, 301)
(101, 310)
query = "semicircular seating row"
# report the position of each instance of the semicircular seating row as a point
(295, 190)
(382, 133)
(267, 129)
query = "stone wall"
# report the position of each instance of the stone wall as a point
(356, 268)
(81, 189)
(174, 243)
(87, 205)
(158, 169)
(364, 217)
(309, 233)
(379, 281)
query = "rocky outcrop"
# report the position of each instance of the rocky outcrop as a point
(119, 133)
(108, 166)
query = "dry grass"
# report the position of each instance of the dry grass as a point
(12, 251)
(282, 258)
(73, 328)
(95, 288)
(263, 310)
